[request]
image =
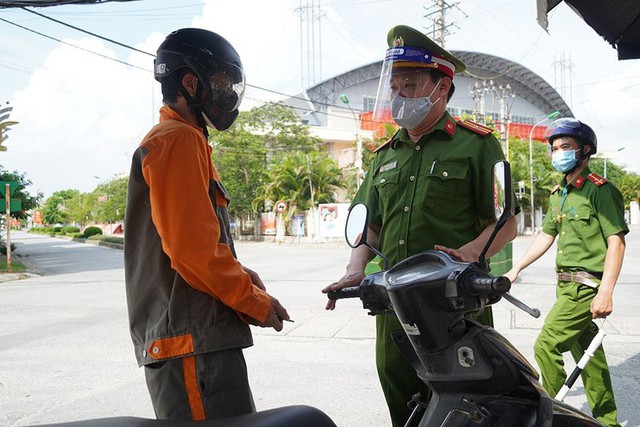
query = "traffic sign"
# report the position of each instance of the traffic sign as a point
(281, 206)
(16, 206)
(12, 187)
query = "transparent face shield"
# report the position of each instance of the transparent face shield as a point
(405, 74)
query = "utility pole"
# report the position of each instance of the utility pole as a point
(358, 161)
(310, 42)
(562, 71)
(437, 14)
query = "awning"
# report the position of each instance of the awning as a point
(617, 21)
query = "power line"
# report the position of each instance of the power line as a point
(141, 51)
(72, 45)
(86, 32)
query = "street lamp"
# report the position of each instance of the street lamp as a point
(605, 156)
(549, 117)
(358, 161)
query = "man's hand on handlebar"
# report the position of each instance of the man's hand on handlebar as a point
(463, 254)
(351, 278)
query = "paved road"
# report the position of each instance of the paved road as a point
(65, 352)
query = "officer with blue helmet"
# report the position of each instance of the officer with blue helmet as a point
(586, 213)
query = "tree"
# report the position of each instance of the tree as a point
(630, 188)
(80, 208)
(303, 180)
(29, 202)
(545, 178)
(111, 199)
(243, 153)
(55, 209)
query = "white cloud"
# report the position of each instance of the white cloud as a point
(81, 116)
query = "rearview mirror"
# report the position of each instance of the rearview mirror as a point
(502, 192)
(503, 208)
(356, 229)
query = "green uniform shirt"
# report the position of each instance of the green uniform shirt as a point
(436, 191)
(583, 214)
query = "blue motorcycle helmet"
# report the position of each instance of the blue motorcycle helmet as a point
(568, 126)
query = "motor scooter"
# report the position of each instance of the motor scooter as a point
(478, 378)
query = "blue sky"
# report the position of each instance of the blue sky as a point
(81, 116)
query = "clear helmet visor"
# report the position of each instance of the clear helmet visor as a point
(565, 125)
(227, 89)
(404, 73)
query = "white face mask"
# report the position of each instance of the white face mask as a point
(410, 112)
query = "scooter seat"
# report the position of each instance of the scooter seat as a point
(299, 415)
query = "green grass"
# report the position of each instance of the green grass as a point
(16, 267)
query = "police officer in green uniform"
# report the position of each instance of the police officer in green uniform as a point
(586, 213)
(428, 187)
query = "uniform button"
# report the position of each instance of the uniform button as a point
(560, 251)
(406, 208)
(417, 148)
(144, 353)
(562, 233)
(401, 242)
(382, 181)
(155, 350)
(412, 178)
(445, 174)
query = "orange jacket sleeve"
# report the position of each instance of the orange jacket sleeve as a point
(178, 172)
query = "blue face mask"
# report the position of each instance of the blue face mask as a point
(564, 161)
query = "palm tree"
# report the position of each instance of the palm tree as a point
(303, 180)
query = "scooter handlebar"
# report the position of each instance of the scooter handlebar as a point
(351, 292)
(475, 285)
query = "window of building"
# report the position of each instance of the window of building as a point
(368, 103)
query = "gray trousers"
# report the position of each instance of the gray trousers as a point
(203, 387)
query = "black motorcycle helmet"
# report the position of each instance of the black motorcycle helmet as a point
(212, 59)
(574, 128)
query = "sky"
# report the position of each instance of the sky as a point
(81, 115)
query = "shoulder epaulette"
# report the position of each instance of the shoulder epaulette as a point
(596, 179)
(475, 127)
(384, 144)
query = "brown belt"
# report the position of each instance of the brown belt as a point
(581, 277)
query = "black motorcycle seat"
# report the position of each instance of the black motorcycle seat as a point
(289, 416)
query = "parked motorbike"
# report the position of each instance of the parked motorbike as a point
(478, 378)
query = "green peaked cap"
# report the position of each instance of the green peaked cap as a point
(414, 38)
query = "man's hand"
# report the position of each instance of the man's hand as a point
(512, 275)
(463, 254)
(351, 278)
(255, 279)
(276, 315)
(601, 305)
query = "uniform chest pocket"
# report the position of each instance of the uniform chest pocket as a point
(386, 185)
(447, 187)
(583, 222)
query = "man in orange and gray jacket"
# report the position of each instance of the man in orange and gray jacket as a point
(189, 299)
